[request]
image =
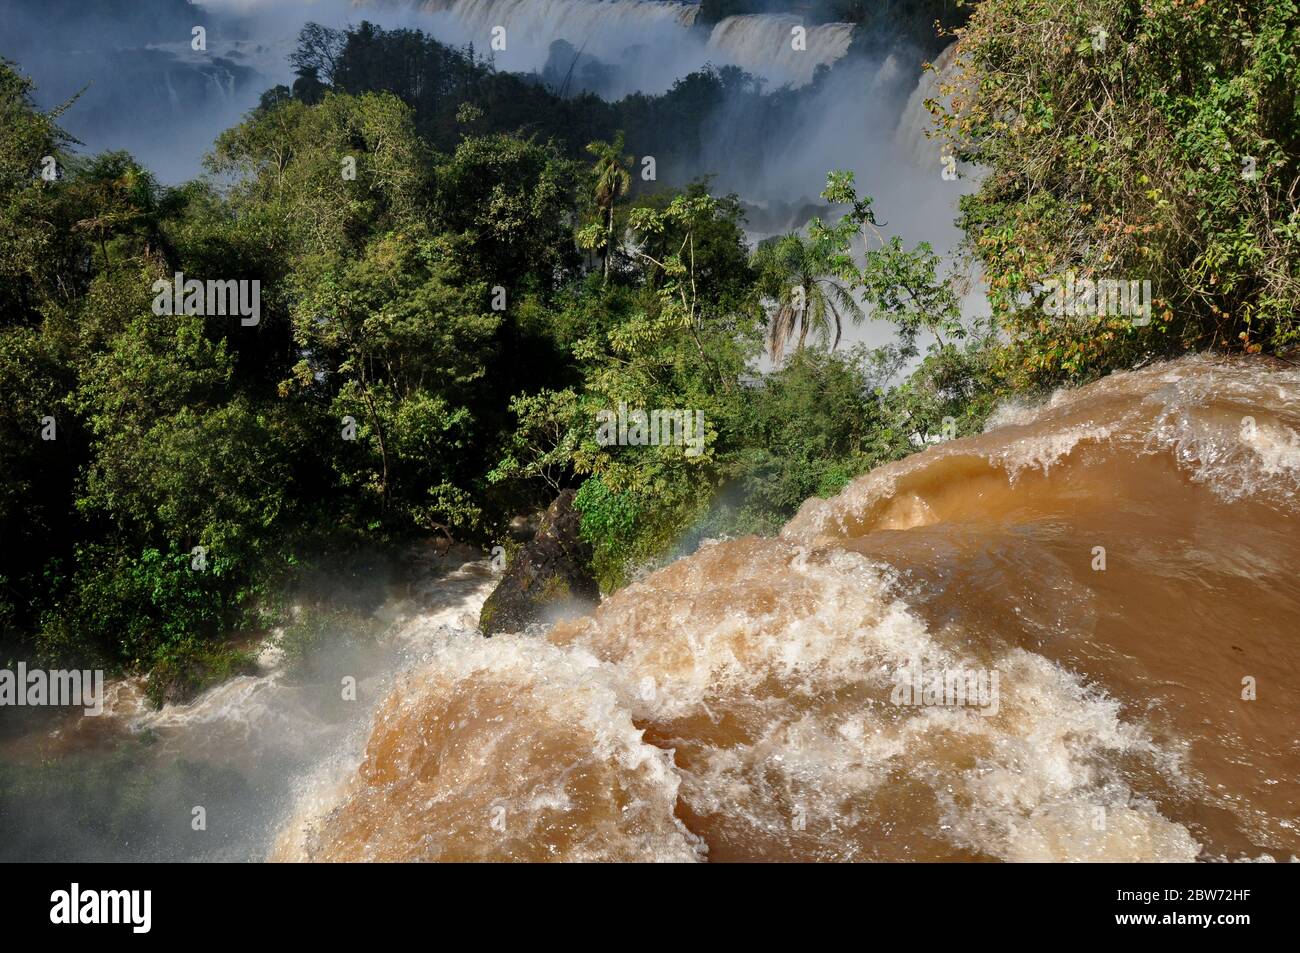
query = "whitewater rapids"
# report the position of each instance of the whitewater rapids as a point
(739, 704)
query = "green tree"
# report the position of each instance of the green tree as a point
(400, 341)
(797, 275)
(514, 203)
(902, 286)
(611, 180)
(331, 175)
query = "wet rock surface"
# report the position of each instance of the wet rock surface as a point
(549, 578)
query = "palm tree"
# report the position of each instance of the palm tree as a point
(798, 275)
(612, 180)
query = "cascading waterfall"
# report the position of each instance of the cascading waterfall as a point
(759, 43)
(916, 122)
(568, 18)
(221, 84)
(764, 44)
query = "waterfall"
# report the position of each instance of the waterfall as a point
(566, 19)
(613, 30)
(764, 44)
(221, 84)
(916, 121)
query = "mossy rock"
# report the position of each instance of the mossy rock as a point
(183, 670)
(549, 579)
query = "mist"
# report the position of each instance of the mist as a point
(213, 780)
(143, 88)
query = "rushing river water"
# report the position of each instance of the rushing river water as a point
(1121, 558)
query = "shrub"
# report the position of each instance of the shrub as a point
(1153, 140)
(181, 669)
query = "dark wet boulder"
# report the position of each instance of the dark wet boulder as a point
(523, 528)
(548, 579)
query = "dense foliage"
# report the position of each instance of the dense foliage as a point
(1139, 139)
(453, 92)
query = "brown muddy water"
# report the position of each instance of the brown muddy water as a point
(1122, 558)
(1110, 576)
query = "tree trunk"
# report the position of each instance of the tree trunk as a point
(383, 449)
(609, 242)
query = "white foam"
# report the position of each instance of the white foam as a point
(1045, 760)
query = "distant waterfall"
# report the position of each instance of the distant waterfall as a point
(172, 98)
(761, 44)
(764, 45)
(916, 120)
(571, 20)
(220, 84)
